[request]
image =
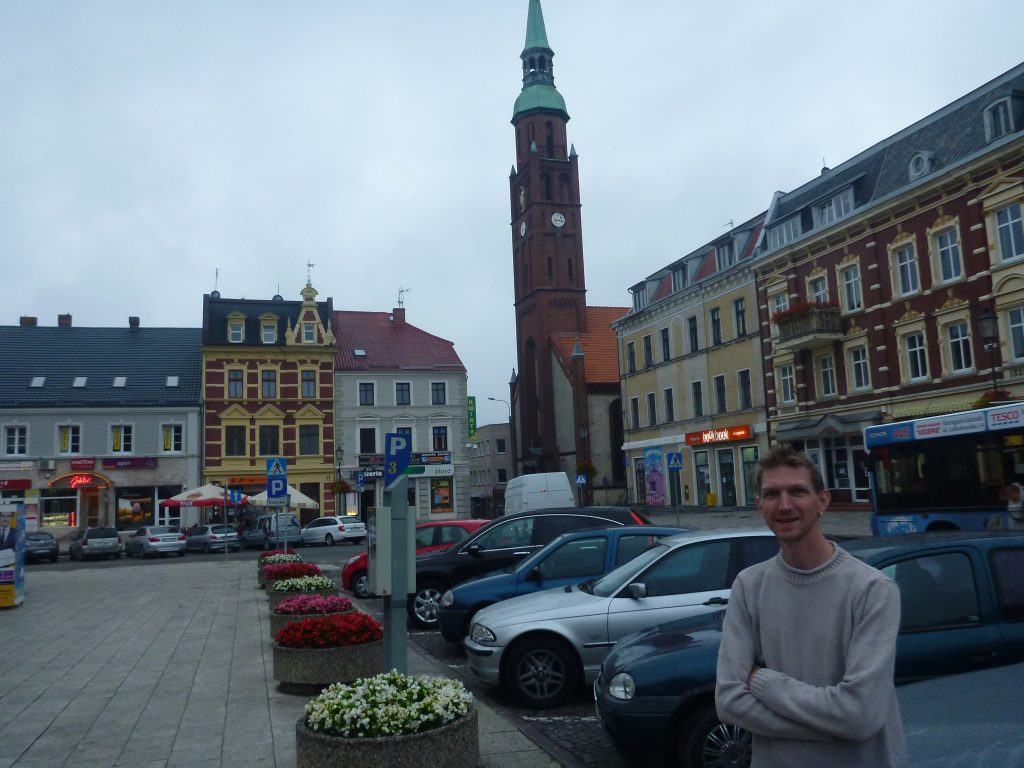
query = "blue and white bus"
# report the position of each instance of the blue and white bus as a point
(946, 472)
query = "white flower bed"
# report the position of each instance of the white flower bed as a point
(278, 559)
(302, 584)
(390, 704)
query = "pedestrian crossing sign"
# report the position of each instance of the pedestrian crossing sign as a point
(675, 460)
(276, 467)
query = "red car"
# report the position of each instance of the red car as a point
(430, 537)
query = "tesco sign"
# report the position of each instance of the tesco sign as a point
(1007, 417)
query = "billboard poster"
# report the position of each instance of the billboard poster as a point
(471, 406)
(12, 555)
(654, 476)
(441, 496)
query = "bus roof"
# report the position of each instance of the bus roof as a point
(995, 419)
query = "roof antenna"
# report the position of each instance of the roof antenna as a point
(309, 274)
(729, 224)
(401, 296)
(216, 277)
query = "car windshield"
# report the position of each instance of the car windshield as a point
(222, 529)
(608, 584)
(102, 533)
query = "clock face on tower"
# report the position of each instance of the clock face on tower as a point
(522, 229)
(558, 219)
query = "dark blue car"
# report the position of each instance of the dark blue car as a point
(570, 559)
(962, 598)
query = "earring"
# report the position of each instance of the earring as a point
(821, 513)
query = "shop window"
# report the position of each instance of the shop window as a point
(441, 496)
(58, 508)
(134, 508)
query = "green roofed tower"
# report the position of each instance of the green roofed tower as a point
(539, 92)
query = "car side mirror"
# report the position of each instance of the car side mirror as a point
(534, 574)
(475, 549)
(637, 590)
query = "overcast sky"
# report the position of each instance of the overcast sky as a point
(144, 144)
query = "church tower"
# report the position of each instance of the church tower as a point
(547, 247)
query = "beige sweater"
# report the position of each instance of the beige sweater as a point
(827, 641)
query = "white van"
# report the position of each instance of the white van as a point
(541, 491)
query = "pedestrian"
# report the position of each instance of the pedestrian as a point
(1014, 519)
(809, 641)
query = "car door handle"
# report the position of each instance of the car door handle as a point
(983, 653)
(717, 601)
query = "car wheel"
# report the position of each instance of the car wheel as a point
(206, 548)
(423, 605)
(704, 740)
(542, 672)
(361, 585)
(359, 540)
(181, 553)
(328, 540)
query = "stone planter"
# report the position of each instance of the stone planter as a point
(278, 620)
(277, 597)
(456, 745)
(323, 666)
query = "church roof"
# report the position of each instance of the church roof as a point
(539, 96)
(388, 343)
(599, 346)
(536, 35)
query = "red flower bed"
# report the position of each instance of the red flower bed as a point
(331, 632)
(289, 571)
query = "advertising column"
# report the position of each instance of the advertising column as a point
(12, 555)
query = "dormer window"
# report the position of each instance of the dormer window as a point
(998, 120)
(308, 333)
(268, 331)
(678, 278)
(172, 381)
(359, 352)
(725, 255)
(639, 298)
(834, 209)
(37, 381)
(784, 233)
(920, 165)
(120, 381)
(236, 331)
(79, 381)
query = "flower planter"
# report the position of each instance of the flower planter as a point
(276, 597)
(455, 745)
(278, 620)
(323, 666)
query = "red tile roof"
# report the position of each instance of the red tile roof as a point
(600, 348)
(707, 266)
(664, 288)
(390, 345)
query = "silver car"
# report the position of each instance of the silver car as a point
(543, 645)
(328, 530)
(152, 540)
(94, 542)
(207, 538)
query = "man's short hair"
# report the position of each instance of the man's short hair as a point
(786, 456)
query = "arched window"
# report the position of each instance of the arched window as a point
(550, 139)
(533, 64)
(543, 65)
(564, 187)
(545, 179)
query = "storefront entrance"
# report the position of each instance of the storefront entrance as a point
(726, 477)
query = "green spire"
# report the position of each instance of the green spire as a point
(539, 92)
(536, 36)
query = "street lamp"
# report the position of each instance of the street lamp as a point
(506, 402)
(989, 324)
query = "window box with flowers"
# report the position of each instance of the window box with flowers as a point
(390, 720)
(299, 607)
(312, 585)
(320, 650)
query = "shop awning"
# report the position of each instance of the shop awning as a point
(832, 423)
(933, 408)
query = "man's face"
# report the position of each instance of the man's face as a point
(5, 518)
(789, 504)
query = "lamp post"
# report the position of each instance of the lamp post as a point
(989, 324)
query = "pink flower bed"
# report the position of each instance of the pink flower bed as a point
(302, 605)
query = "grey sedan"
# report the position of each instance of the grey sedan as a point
(543, 645)
(207, 538)
(153, 540)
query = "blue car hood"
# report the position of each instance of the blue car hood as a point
(494, 585)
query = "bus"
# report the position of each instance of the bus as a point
(946, 473)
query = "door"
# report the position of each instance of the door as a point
(726, 478)
(499, 547)
(571, 562)
(941, 627)
(861, 488)
(688, 580)
(701, 476)
(675, 495)
(640, 481)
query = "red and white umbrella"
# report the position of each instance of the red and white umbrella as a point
(203, 496)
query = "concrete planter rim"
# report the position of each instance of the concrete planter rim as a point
(300, 616)
(371, 740)
(279, 647)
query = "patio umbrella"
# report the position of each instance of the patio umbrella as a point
(296, 500)
(203, 496)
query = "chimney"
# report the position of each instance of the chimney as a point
(63, 321)
(27, 321)
(133, 322)
(398, 315)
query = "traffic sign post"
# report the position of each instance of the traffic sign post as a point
(277, 490)
(397, 455)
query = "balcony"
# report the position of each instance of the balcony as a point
(808, 326)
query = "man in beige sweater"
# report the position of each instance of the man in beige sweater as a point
(809, 642)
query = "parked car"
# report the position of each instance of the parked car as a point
(501, 543)
(961, 601)
(328, 530)
(271, 531)
(541, 490)
(207, 538)
(540, 647)
(430, 537)
(41, 546)
(94, 542)
(153, 540)
(569, 559)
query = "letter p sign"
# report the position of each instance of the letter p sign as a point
(397, 455)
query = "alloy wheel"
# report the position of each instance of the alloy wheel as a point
(541, 674)
(426, 605)
(727, 746)
(328, 540)
(361, 585)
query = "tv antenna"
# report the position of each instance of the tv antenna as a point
(729, 224)
(216, 277)
(401, 295)
(309, 272)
